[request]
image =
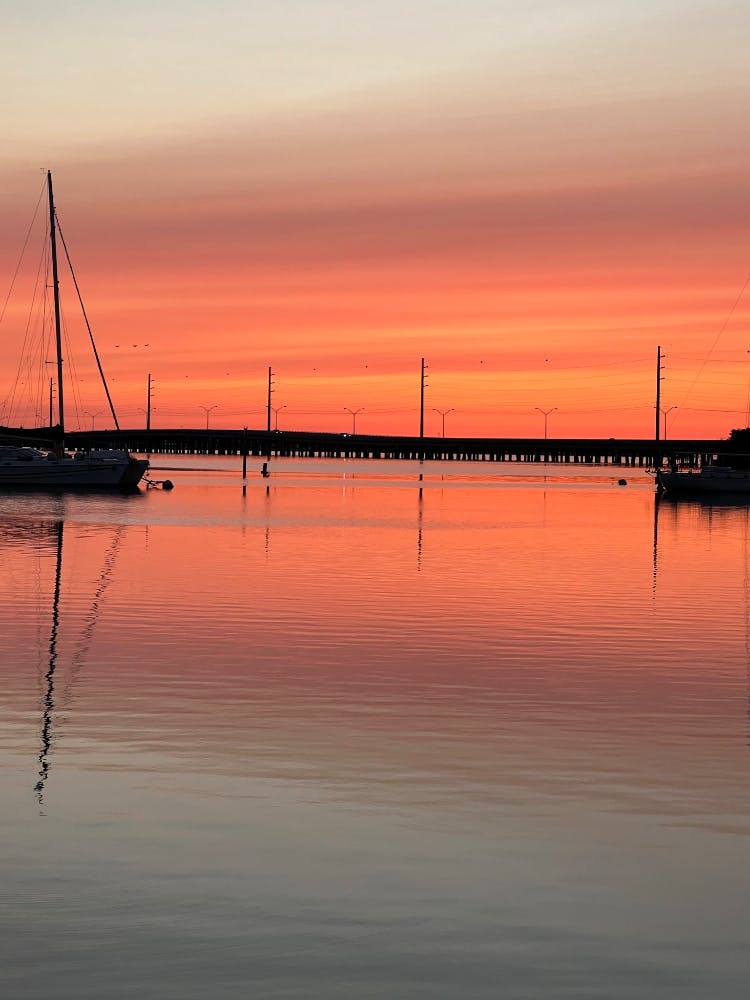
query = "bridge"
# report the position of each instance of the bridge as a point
(315, 444)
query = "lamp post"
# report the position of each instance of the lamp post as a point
(207, 410)
(276, 410)
(664, 414)
(546, 414)
(354, 417)
(93, 417)
(443, 414)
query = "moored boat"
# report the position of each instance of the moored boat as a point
(55, 467)
(725, 474)
(22, 466)
(706, 481)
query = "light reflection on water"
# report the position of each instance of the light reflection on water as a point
(343, 737)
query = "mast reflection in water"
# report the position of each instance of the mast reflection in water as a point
(49, 694)
(80, 651)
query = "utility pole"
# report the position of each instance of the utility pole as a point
(421, 401)
(657, 449)
(658, 391)
(270, 390)
(148, 403)
(264, 471)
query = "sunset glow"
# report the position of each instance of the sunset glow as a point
(530, 199)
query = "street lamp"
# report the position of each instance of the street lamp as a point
(276, 410)
(664, 414)
(443, 414)
(354, 417)
(546, 413)
(207, 411)
(93, 416)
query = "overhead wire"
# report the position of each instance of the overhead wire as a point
(718, 336)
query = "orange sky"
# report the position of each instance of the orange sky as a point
(531, 201)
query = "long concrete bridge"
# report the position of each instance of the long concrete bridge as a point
(311, 444)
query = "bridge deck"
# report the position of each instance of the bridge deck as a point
(304, 444)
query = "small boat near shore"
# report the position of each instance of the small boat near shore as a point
(24, 466)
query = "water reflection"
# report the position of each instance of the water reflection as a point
(24, 533)
(657, 501)
(52, 700)
(91, 618)
(420, 520)
(725, 519)
(49, 694)
(304, 739)
(517, 612)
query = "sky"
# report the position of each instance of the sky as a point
(532, 198)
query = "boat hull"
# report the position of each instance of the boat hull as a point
(705, 482)
(39, 470)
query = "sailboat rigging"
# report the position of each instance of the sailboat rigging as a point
(22, 466)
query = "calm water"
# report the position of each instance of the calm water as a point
(341, 738)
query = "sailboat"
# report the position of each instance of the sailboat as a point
(727, 475)
(99, 469)
(706, 481)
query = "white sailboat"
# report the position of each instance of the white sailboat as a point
(102, 469)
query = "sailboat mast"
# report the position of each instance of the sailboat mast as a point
(56, 294)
